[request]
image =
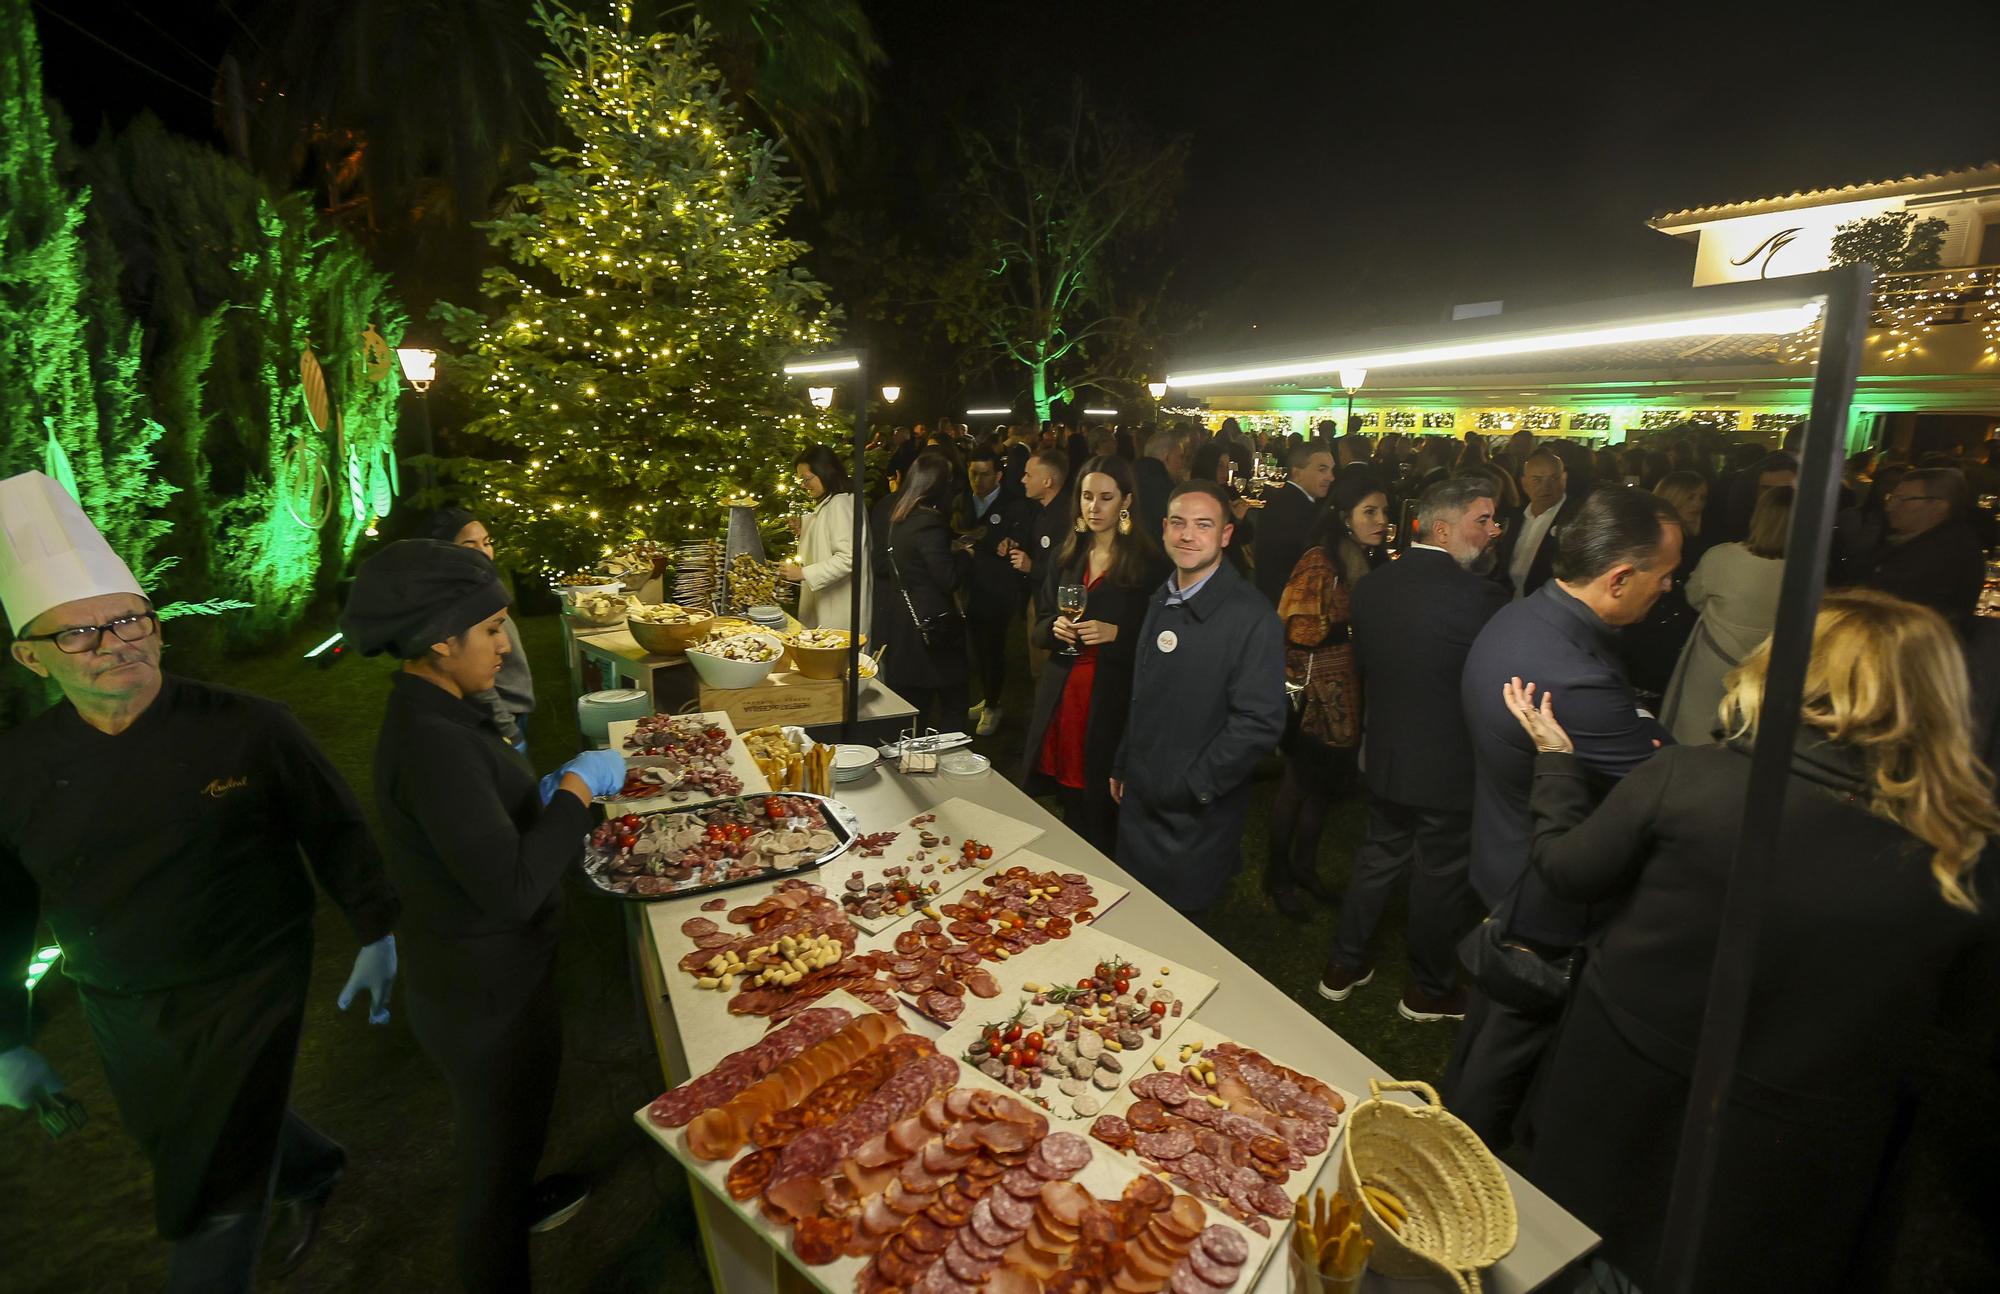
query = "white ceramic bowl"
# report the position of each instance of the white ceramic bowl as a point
(719, 671)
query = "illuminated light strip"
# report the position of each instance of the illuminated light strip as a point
(323, 646)
(987, 413)
(804, 368)
(1100, 413)
(1785, 319)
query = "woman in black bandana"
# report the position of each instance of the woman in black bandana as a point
(477, 849)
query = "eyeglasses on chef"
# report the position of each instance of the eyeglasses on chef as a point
(79, 639)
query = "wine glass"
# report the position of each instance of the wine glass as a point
(1071, 600)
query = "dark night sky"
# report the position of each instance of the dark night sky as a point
(1370, 163)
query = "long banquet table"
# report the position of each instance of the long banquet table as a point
(1247, 1007)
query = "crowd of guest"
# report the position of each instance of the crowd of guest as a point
(1540, 668)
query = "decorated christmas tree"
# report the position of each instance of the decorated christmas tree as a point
(69, 398)
(629, 363)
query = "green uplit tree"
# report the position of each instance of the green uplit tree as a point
(630, 365)
(1892, 241)
(69, 398)
(1051, 271)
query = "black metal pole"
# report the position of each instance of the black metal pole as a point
(851, 710)
(1843, 324)
(430, 450)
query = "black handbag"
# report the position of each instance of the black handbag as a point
(943, 632)
(1510, 972)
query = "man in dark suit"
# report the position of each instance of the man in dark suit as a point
(1414, 621)
(1154, 476)
(988, 514)
(1931, 555)
(1032, 559)
(1526, 554)
(1617, 557)
(1290, 513)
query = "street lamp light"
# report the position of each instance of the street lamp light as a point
(1158, 390)
(1351, 378)
(891, 394)
(821, 396)
(420, 370)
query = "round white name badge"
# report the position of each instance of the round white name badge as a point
(1045, 541)
(1168, 641)
(993, 520)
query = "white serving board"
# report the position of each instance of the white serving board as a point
(1301, 1182)
(1105, 1176)
(958, 819)
(1064, 961)
(740, 763)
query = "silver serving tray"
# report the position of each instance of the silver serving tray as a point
(838, 820)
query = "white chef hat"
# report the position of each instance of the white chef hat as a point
(50, 553)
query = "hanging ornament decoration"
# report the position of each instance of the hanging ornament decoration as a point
(339, 434)
(306, 488)
(395, 473)
(312, 385)
(357, 487)
(55, 463)
(381, 493)
(377, 360)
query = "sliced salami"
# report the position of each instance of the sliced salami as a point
(1066, 1151)
(1219, 1274)
(1023, 1181)
(1164, 1146)
(1186, 1280)
(696, 927)
(1011, 1211)
(941, 1006)
(1224, 1245)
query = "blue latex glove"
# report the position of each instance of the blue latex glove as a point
(603, 771)
(25, 1078)
(374, 970)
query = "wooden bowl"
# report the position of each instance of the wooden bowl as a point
(819, 662)
(667, 639)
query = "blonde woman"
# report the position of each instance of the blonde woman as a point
(1866, 920)
(1735, 591)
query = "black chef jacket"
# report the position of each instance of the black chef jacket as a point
(472, 849)
(166, 859)
(167, 855)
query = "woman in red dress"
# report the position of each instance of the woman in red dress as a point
(1082, 700)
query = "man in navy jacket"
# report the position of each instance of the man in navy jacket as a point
(1414, 622)
(1616, 558)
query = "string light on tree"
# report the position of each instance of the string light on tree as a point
(629, 365)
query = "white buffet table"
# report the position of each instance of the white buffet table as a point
(1245, 1006)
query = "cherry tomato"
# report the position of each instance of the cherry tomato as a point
(1012, 1034)
(630, 820)
(985, 852)
(626, 840)
(1159, 1008)
(1034, 1042)
(1104, 971)
(1121, 986)
(1084, 983)
(992, 1039)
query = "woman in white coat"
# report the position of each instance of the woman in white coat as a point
(1735, 589)
(825, 567)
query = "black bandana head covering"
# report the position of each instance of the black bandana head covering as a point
(444, 524)
(417, 592)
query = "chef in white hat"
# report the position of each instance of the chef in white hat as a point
(184, 915)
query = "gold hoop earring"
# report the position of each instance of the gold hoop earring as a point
(1124, 521)
(1082, 526)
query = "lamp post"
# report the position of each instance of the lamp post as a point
(827, 367)
(1351, 378)
(420, 370)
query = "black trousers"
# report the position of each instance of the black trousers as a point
(220, 1253)
(1492, 1066)
(499, 1048)
(942, 708)
(1431, 846)
(1091, 813)
(987, 631)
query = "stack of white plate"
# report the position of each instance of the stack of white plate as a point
(852, 763)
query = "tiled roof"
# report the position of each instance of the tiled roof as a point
(1930, 182)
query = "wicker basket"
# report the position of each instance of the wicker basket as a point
(1461, 1209)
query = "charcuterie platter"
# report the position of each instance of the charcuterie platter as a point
(674, 760)
(713, 845)
(1077, 1020)
(904, 864)
(874, 1163)
(1227, 1123)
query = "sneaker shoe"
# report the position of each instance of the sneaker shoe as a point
(1338, 982)
(989, 721)
(1421, 1007)
(557, 1198)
